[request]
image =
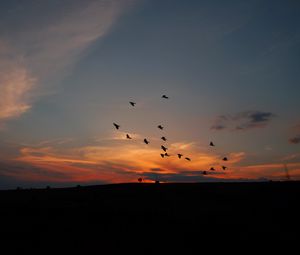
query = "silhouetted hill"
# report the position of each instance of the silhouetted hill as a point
(143, 217)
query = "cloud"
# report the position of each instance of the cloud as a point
(295, 140)
(194, 176)
(122, 136)
(75, 163)
(65, 39)
(55, 162)
(119, 161)
(243, 121)
(253, 119)
(220, 123)
(16, 84)
(218, 126)
(274, 171)
(295, 157)
(33, 59)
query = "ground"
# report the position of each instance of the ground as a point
(148, 218)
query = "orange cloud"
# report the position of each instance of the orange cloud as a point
(275, 171)
(48, 51)
(115, 163)
(16, 86)
(123, 161)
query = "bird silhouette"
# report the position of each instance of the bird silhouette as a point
(116, 126)
(225, 159)
(188, 159)
(128, 136)
(164, 96)
(160, 127)
(146, 141)
(132, 103)
(179, 155)
(167, 155)
(164, 148)
(163, 138)
(204, 173)
(212, 169)
(162, 155)
(224, 167)
(211, 144)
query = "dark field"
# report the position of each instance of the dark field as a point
(147, 218)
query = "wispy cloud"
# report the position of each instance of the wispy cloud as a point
(275, 171)
(243, 120)
(46, 53)
(125, 162)
(253, 119)
(16, 84)
(115, 162)
(291, 157)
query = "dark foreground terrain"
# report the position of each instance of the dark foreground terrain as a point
(151, 218)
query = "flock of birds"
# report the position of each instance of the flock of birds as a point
(164, 148)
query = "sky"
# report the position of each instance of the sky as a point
(68, 70)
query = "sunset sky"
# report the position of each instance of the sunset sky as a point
(68, 69)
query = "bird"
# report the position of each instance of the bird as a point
(225, 159)
(132, 103)
(116, 126)
(160, 127)
(162, 155)
(179, 155)
(164, 148)
(188, 159)
(212, 169)
(204, 173)
(146, 141)
(211, 144)
(224, 167)
(128, 136)
(167, 155)
(164, 96)
(163, 138)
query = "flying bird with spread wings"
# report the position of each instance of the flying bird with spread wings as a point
(116, 126)
(132, 103)
(164, 148)
(165, 97)
(128, 136)
(212, 144)
(179, 155)
(163, 138)
(212, 169)
(160, 127)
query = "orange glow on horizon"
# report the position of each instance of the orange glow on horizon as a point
(128, 162)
